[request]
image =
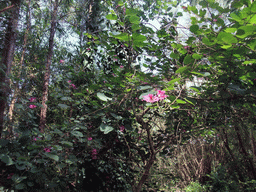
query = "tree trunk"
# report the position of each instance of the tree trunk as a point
(16, 86)
(7, 59)
(47, 68)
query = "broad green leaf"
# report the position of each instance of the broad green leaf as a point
(226, 38)
(230, 30)
(180, 101)
(111, 17)
(173, 81)
(6, 159)
(20, 186)
(253, 7)
(196, 56)
(66, 98)
(51, 156)
(134, 19)
(77, 134)
(116, 116)
(130, 12)
(106, 128)
(67, 143)
(138, 37)
(103, 97)
(194, 28)
(144, 87)
(181, 69)
(188, 60)
(63, 106)
(174, 55)
(123, 37)
(235, 17)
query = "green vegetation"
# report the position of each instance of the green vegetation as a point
(95, 96)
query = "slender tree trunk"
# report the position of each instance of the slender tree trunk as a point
(16, 86)
(47, 68)
(7, 59)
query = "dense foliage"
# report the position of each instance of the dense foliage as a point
(121, 115)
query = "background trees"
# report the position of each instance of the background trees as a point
(119, 110)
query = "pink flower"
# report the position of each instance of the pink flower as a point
(115, 59)
(94, 154)
(10, 175)
(61, 61)
(161, 94)
(74, 87)
(32, 99)
(32, 106)
(122, 128)
(183, 7)
(186, 47)
(88, 49)
(150, 98)
(214, 20)
(121, 66)
(220, 16)
(117, 6)
(47, 149)
(89, 138)
(122, 45)
(69, 81)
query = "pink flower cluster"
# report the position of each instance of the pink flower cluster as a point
(32, 99)
(47, 149)
(89, 138)
(122, 128)
(154, 98)
(72, 85)
(32, 106)
(10, 175)
(94, 154)
(61, 61)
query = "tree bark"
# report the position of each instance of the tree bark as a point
(7, 59)
(47, 68)
(16, 86)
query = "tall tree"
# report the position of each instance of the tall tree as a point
(47, 66)
(7, 58)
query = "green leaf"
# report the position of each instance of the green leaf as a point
(138, 37)
(106, 128)
(181, 69)
(226, 38)
(67, 143)
(134, 19)
(194, 28)
(51, 156)
(180, 101)
(174, 55)
(116, 116)
(123, 37)
(253, 7)
(188, 59)
(144, 87)
(235, 17)
(6, 159)
(196, 56)
(111, 17)
(63, 106)
(103, 97)
(173, 81)
(66, 98)
(77, 134)
(20, 186)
